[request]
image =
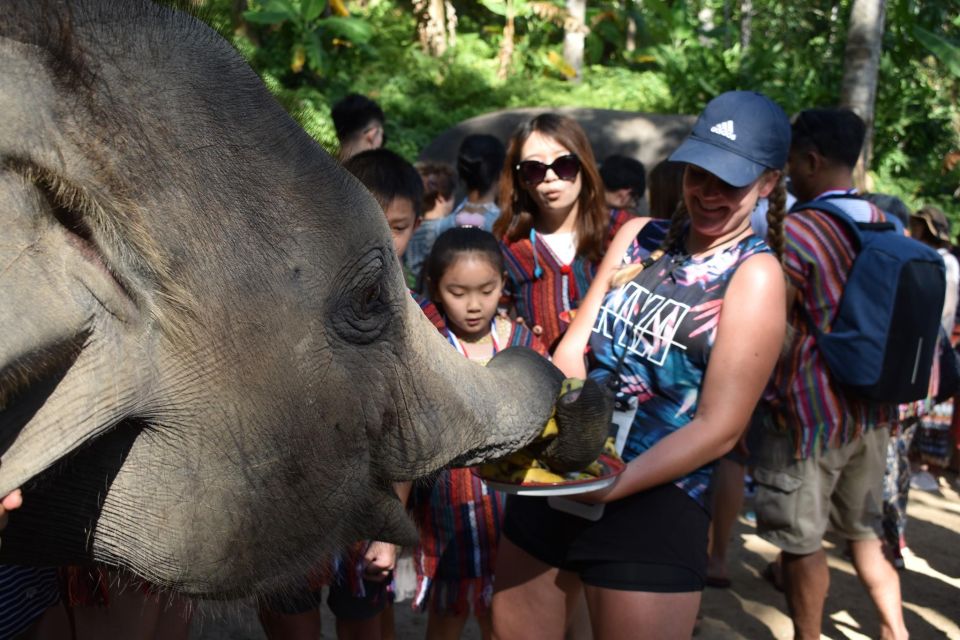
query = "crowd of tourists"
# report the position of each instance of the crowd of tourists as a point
(702, 293)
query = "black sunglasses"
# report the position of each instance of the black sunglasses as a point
(533, 172)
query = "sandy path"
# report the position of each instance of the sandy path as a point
(752, 610)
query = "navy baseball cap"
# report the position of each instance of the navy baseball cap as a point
(739, 135)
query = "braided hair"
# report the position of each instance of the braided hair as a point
(776, 213)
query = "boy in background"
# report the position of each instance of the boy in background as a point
(359, 122)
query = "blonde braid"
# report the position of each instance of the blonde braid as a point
(776, 212)
(629, 272)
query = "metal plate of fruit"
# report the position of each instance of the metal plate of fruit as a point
(536, 480)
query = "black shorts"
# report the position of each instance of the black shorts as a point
(655, 540)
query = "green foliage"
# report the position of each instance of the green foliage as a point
(311, 37)
(685, 53)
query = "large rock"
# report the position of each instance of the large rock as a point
(647, 137)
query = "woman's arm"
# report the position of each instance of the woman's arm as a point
(749, 337)
(568, 356)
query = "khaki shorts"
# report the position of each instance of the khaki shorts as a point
(797, 499)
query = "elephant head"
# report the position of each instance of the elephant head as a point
(210, 369)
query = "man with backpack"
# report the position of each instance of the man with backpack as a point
(824, 445)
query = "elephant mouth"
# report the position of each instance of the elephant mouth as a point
(28, 381)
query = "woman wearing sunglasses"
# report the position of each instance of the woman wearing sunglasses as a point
(684, 322)
(554, 222)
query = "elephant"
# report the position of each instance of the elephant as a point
(211, 372)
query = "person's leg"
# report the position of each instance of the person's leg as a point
(882, 582)
(579, 627)
(445, 627)
(388, 627)
(857, 509)
(295, 626)
(131, 614)
(631, 615)
(904, 440)
(727, 501)
(366, 629)
(485, 621)
(806, 579)
(530, 595)
(176, 616)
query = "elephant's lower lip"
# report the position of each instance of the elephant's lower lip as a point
(27, 382)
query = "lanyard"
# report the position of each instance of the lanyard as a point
(493, 335)
(565, 271)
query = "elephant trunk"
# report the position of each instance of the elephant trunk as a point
(453, 412)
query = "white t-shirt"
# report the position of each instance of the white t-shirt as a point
(951, 295)
(563, 245)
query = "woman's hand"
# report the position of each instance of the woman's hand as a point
(379, 560)
(600, 496)
(11, 501)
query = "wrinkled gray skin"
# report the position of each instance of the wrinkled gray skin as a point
(210, 368)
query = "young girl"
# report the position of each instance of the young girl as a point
(459, 517)
(554, 222)
(688, 332)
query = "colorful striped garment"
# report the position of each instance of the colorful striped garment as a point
(459, 520)
(802, 396)
(559, 288)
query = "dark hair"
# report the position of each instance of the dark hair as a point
(387, 176)
(480, 161)
(517, 207)
(450, 247)
(353, 114)
(666, 188)
(836, 134)
(890, 204)
(438, 181)
(623, 172)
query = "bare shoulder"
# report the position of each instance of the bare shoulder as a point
(626, 234)
(759, 277)
(632, 227)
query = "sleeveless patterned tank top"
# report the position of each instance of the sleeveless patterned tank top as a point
(653, 337)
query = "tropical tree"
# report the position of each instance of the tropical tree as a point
(575, 31)
(861, 65)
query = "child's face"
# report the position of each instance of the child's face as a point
(469, 292)
(402, 219)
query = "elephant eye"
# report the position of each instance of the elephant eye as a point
(361, 305)
(371, 296)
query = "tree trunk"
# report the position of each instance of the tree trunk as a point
(436, 25)
(240, 26)
(506, 44)
(631, 44)
(746, 24)
(861, 64)
(575, 32)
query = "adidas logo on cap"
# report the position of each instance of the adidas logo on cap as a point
(724, 129)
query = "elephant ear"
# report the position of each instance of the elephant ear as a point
(583, 414)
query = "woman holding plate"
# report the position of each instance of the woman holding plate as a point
(684, 321)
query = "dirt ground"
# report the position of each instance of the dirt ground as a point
(751, 609)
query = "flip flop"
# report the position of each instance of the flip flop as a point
(770, 575)
(718, 583)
